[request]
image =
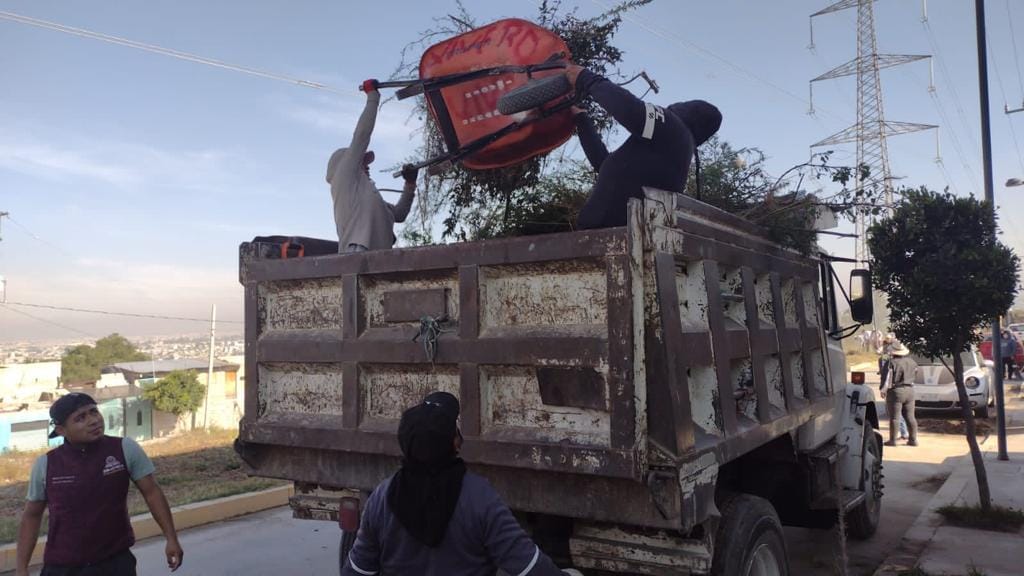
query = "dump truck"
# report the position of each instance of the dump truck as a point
(658, 398)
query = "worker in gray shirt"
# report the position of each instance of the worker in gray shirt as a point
(363, 219)
(899, 395)
(433, 518)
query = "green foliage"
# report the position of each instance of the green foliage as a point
(736, 181)
(944, 270)
(83, 362)
(180, 392)
(540, 195)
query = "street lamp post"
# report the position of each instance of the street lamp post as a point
(986, 153)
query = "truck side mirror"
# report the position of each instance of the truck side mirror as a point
(862, 305)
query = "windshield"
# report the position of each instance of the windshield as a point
(970, 361)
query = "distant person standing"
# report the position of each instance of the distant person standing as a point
(899, 397)
(84, 483)
(884, 363)
(1008, 349)
(364, 221)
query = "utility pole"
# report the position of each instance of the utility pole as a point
(986, 152)
(209, 370)
(3, 281)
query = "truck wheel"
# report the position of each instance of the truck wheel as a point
(981, 412)
(862, 521)
(348, 539)
(533, 94)
(749, 541)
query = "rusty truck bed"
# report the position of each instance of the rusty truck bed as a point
(602, 374)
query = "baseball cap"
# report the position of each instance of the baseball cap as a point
(65, 406)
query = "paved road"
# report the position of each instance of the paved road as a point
(912, 476)
(262, 544)
(272, 543)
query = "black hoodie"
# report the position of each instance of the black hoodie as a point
(656, 154)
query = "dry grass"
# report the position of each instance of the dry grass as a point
(192, 467)
(932, 483)
(998, 518)
(939, 425)
(854, 357)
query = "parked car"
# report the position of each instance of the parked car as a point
(935, 388)
(1017, 329)
(986, 349)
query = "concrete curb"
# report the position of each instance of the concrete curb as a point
(916, 540)
(187, 516)
(921, 532)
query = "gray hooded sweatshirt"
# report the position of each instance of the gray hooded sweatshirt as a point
(361, 215)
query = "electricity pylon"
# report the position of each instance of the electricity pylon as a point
(871, 128)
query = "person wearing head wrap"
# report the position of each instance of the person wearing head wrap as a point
(84, 483)
(435, 518)
(364, 220)
(657, 153)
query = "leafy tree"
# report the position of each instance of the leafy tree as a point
(179, 392)
(737, 181)
(946, 274)
(83, 362)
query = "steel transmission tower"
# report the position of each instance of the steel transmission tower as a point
(871, 128)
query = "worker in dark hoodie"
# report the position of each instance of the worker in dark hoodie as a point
(364, 220)
(433, 517)
(661, 144)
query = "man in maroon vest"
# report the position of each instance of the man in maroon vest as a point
(84, 483)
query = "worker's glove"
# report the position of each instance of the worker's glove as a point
(369, 85)
(410, 172)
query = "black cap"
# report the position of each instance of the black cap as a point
(65, 406)
(427, 431)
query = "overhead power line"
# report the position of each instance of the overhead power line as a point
(1016, 56)
(45, 321)
(169, 52)
(127, 314)
(706, 53)
(36, 237)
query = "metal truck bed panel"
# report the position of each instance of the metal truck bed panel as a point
(641, 358)
(536, 340)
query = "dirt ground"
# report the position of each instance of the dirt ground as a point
(192, 467)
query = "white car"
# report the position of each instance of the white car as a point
(935, 389)
(1017, 329)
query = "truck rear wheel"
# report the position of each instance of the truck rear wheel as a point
(348, 540)
(749, 541)
(862, 521)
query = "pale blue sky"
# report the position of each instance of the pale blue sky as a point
(141, 173)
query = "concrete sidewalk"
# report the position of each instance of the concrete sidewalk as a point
(938, 549)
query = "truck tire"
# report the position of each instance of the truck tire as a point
(862, 521)
(749, 541)
(981, 412)
(348, 540)
(533, 94)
